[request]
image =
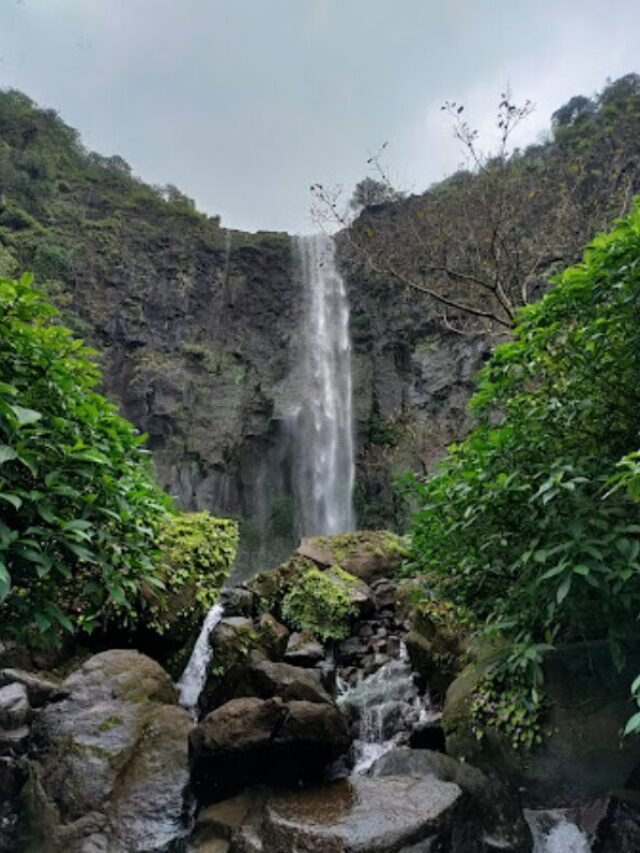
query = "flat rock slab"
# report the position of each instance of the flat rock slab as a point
(362, 815)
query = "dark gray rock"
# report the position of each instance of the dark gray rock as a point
(250, 740)
(363, 815)
(14, 741)
(117, 746)
(492, 806)
(303, 650)
(15, 710)
(238, 601)
(40, 690)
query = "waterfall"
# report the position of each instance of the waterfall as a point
(322, 422)
(195, 673)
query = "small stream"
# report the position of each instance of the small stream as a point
(387, 704)
(193, 678)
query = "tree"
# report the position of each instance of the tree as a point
(482, 243)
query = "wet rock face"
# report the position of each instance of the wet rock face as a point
(493, 808)
(363, 815)
(116, 747)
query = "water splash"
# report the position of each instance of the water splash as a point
(193, 678)
(387, 704)
(553, 832)
(322, 423)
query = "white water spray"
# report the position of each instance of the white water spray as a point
(322, 423)
(194, 676)
(553, 832)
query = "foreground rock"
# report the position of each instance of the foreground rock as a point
(362, 815)
(253, 740)
(492, 807)
(114, 759)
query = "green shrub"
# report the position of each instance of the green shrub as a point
(198, 552)
(320, 603)
(80, 512)
(523, 526)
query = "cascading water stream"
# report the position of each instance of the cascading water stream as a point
(321, 422)
(194, 676)
(387, 704)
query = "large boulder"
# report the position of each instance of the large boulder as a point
(251, 740)
(364, 815)
(492, 806)
(583, 755)
(367, 554)
(116, 747)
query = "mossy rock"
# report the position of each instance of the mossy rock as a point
(582, 755)
(197, 554)
(367, 554)
(271, 585)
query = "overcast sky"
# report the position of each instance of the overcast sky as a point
(244, 103)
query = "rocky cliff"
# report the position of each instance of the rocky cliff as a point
(196, 325)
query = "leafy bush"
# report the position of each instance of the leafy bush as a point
(198, 552)
(524, 525)
(80, 512)
(319, 602)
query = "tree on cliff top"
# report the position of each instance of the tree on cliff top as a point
(480, 244)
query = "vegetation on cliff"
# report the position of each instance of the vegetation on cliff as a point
(532, 524)
(83, 521)
(481, 243)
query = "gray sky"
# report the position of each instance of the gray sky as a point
(244, 103)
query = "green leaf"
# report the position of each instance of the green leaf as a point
(14, 500)
(7, 453)
(5, 580)
(563, 589)
(25, 416)
(633, 724)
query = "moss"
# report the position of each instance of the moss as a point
(198, 552)
(110, 723)
(320, 604)
(346, 546)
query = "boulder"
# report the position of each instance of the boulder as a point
(116, 747)
(492, 807)
(266, 679)
(238, 601)
(363, 815)
(303, 650)
(368, 554)
(40, 690)
(583, 755)
(251, 740)
(15, 710)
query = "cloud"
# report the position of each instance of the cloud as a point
(245, 103)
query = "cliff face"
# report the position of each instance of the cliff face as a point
(412, 382)
(197, 326)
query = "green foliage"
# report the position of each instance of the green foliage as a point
(198, 552)
(320, 603)
(527, 524)
(80, 511)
